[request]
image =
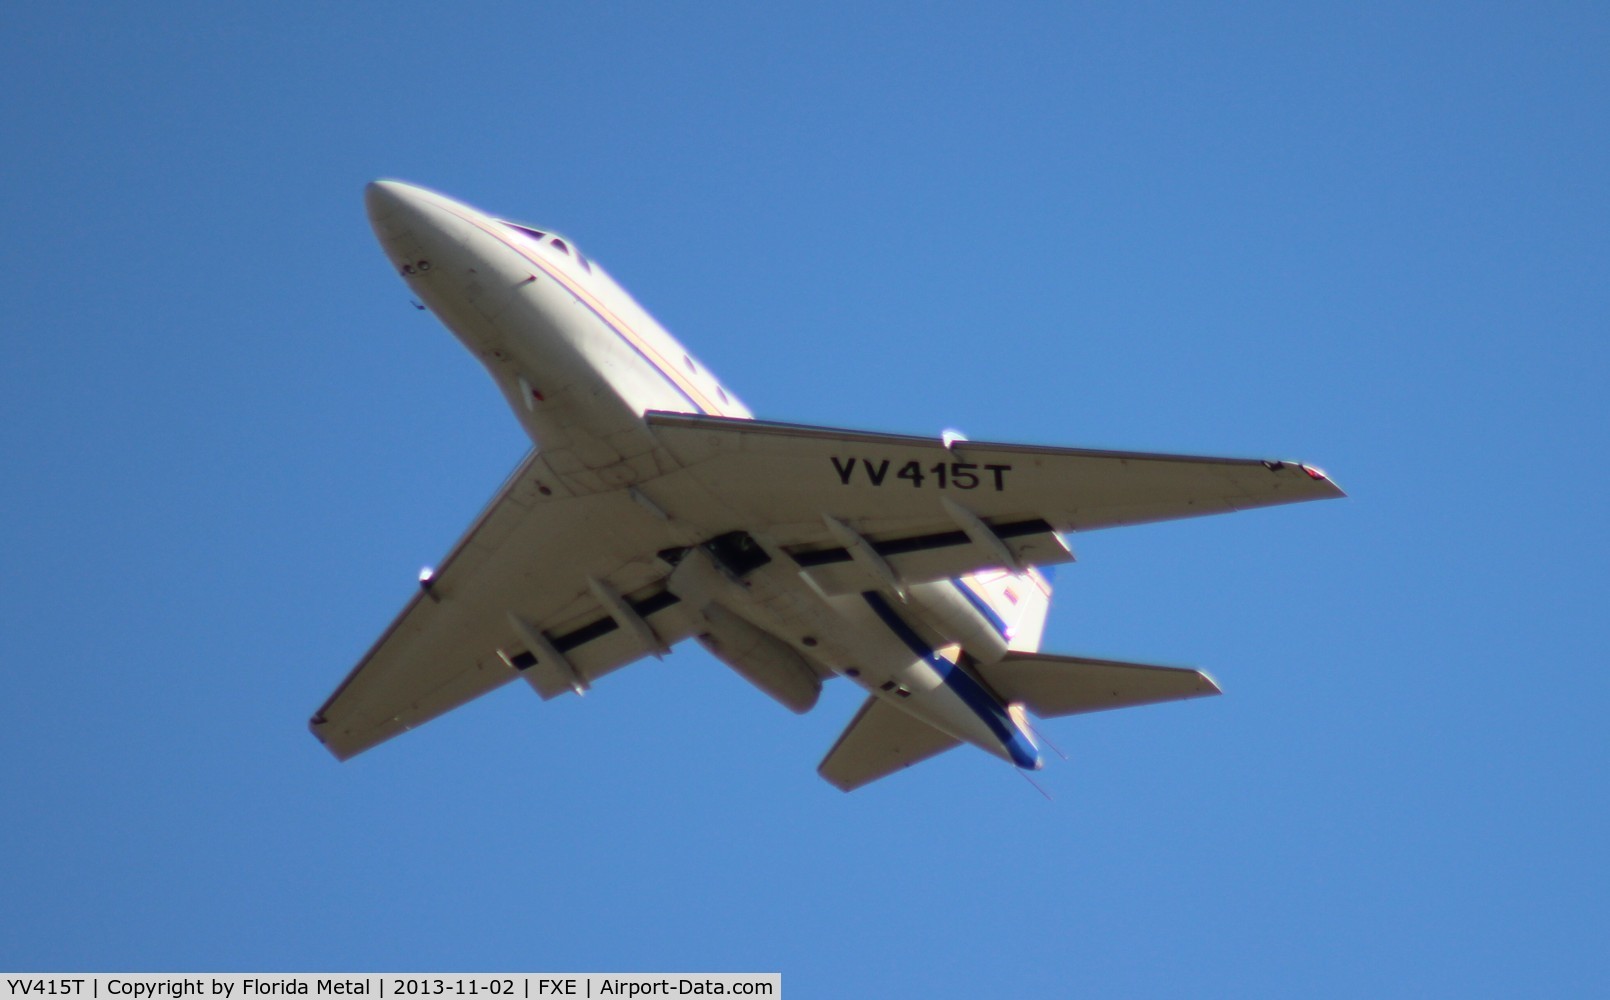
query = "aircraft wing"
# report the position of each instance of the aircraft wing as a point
(554, 588)
(931, 511)
(561, 589)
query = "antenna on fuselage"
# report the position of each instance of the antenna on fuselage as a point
(1040, 737)
(1036, 784)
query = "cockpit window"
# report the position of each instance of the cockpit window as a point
(534, 233)
(550, 239)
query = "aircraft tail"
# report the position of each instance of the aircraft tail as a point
(883, 739)
(879, 741)
(1050, 686)
(1020, 600)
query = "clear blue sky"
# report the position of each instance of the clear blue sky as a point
(1369, 237)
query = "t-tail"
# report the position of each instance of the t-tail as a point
(881, 739)
(1019, 602)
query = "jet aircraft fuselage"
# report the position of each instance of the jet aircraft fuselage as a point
(655, 508)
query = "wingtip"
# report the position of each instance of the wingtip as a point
(315, 726)
(835, 782)
(1319, 476)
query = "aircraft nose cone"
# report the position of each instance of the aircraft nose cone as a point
(410, 222)
(388, 202)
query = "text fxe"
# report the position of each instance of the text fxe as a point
(655, 508)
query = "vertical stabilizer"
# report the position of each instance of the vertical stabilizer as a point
(1020, 600)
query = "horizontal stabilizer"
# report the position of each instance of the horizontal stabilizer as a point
(879, 741)
(1050, 686)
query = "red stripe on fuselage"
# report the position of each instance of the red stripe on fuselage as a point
(667, 370)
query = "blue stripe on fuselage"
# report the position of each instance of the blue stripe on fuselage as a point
(982, 607)
(960, 682)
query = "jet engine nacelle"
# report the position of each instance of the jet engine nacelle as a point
(761, 659)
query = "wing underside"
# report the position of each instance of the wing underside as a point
(932, 510)
(560, 588)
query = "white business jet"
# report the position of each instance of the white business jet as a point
(655, 508)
